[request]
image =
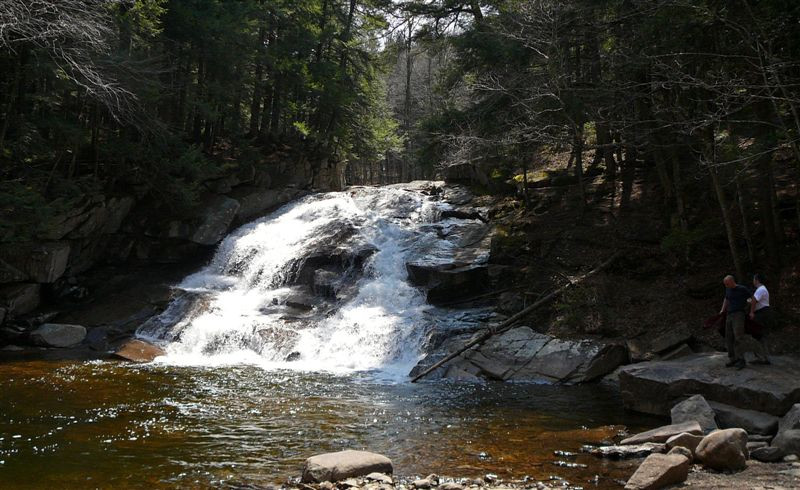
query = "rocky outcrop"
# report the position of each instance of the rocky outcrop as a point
(19, 299)
(647, 349)
(58, 335)
(663, 434)
(654, 387)
(659, 471)
(34, 262)
(753, 422)
(694, 408)
(338, 466)
(520, 354)
(724, 450)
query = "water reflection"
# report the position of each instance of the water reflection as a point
(99, 424)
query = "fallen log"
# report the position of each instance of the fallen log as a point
(513, 319)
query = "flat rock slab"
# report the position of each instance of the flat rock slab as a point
(660, 470)
(663, 434)
(750, 420)
(136, 350)
(344, 464)
(628, 452)
(654, 387)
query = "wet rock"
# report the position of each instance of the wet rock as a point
(344, 464)
(724, 450)
(258, 201)
(19, 299)
(662, 434)
(628, 451)
(520, 354)
(215, 219)
(658, 471)
(646, 348)
(684, 439)
(694, 408)
(58, 335)
(136, 350)
(729, 417)
(41, 262)
(768, 454)
(654, 387)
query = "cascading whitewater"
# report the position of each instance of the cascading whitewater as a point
(320, 284)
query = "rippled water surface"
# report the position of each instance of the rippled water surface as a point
(92, 424)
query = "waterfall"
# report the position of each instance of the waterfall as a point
(320, 284)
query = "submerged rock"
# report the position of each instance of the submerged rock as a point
(654, 387)
(58, 335)
(136, 350)
(344, 464)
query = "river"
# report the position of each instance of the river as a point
(296, 339)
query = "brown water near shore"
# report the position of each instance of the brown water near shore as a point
(97, 424)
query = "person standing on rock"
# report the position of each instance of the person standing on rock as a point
(736, 297)
(760, 312)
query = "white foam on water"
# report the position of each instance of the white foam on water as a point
(233, 318)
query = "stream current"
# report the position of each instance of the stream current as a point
(297, 338)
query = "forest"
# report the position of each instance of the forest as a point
(155, 97)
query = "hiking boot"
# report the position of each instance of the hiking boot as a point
(740, 364)
(763, 362)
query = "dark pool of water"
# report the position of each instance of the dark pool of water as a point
(72, 424)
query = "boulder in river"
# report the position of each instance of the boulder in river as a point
(136, 350)
(654, 387)
(344, 464)
(658, 471)
(520, 354)
(694, 408)
(662, 434)
(58, 335)
(729, 417)
(724, 450)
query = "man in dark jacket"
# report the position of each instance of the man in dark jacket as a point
(735, 304)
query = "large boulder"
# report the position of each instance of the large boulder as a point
(724, 450)
(58, 335)
(344, 464)
(659, 471)
(216, 217)
(19, 299)
(694, 408)
(663, 434)
(136, 350)
(258, 201)
(654, 387)
(753, 422)
(42, 262)
(520, 354)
